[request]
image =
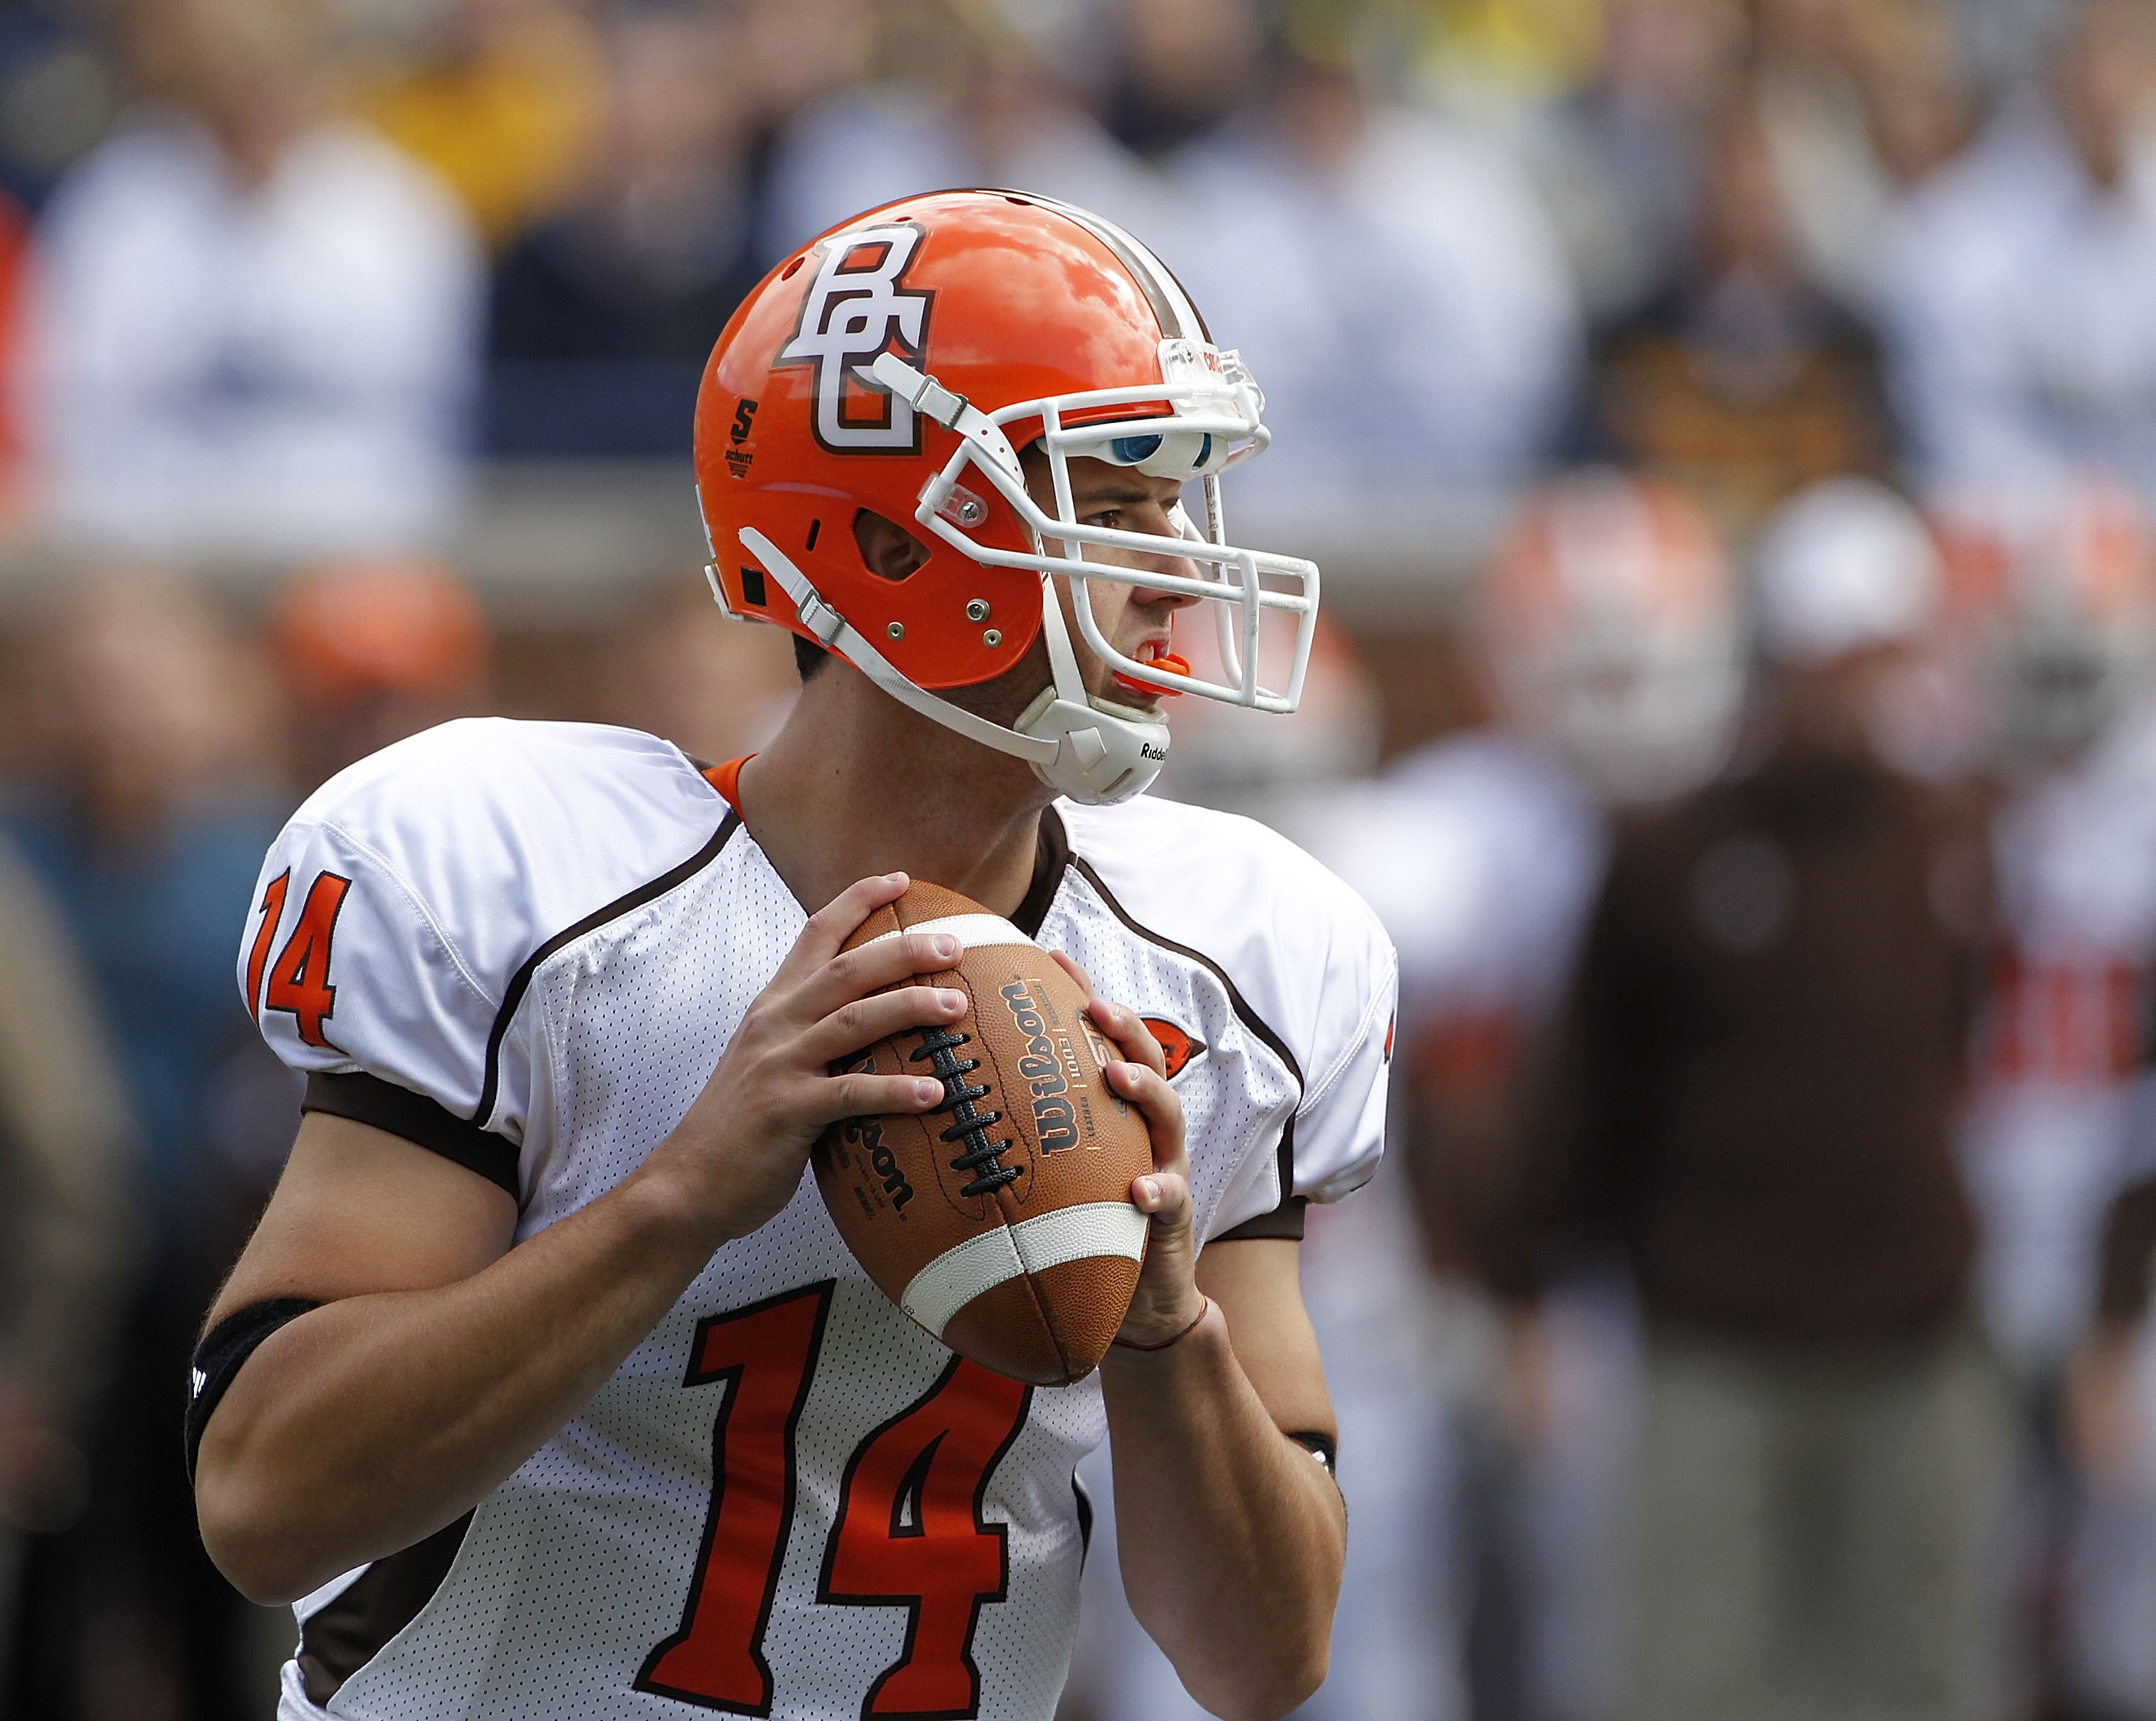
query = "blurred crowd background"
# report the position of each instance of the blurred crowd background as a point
(1728, 427)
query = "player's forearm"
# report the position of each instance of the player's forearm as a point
(369, 1423)
(1231, 1537)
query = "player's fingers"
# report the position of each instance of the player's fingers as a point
(886, 962)
(1070, 965)
(1163, 1197)
(1121, 1025)
(831, 925)
(1148, 1089)
(863, 1096)
(865, 1020)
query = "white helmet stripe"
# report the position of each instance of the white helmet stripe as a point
(1178, 317)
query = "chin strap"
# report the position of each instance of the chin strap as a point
(1092, 750)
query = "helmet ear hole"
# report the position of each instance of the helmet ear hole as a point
(888, 550)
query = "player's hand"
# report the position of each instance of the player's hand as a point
(736, 1159)
(1167, 1300)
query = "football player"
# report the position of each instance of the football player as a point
(547, 1386)
(2056, 590)
(1609, 652)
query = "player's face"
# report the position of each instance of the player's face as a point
(1134, 619)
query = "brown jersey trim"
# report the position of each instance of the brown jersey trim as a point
(1051, 857)
(1260, 1029)
(339, 1639)
(1249, 1017)
(369, 1099)
(1287, 1220)
(490, 1087)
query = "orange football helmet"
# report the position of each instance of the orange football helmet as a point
(898, 364)
(2054, 581)
(1610, 622)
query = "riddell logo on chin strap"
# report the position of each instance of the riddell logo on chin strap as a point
(856, 307)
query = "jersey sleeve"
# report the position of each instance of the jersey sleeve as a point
(1331, 986)
(1340, 1127)
(354, 980)
(393, 928)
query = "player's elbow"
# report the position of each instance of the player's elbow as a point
(1265, 1688)
(248, 1541)
(1295, 1683)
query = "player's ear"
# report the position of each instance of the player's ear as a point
(889, 550)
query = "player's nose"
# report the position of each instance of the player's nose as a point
(1175, 566)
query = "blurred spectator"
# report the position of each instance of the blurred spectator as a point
(257, 324)
(1607, 629)
(1608, 636)
(2015, 280)
(506, 108)
(66, 1245)
(1181, 67)
(1397, 290)
(799, 51)
(372, 650)
(1742, 379)
(2060, 587)
(961, 97)
(603, 316)
(1754, 1093)
(1622, 160)
(1859, 102)
(59, 85)
(1495, 56)
(2066, 586)
(147, 830)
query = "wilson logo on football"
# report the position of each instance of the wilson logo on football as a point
(855, 308)
(1054, 1119)
(867, 1134)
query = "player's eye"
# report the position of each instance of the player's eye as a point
(1108, 518)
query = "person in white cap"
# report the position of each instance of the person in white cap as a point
(1753, 1094)
(1847, 582)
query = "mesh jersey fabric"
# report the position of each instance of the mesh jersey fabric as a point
(553, 930)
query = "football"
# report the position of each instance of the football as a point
(1001, 1221)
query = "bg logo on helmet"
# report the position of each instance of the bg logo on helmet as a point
(855, 308)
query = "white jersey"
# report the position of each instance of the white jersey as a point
(525, 946)
(2045, 1142)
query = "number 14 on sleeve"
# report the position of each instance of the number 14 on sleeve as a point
(298, 982)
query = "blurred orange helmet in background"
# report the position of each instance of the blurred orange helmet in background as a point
(1608, 620)
(898, 366)
(2054, 584)
(350, 628)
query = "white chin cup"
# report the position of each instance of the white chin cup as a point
(1105, 752)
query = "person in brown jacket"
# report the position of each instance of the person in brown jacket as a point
(1753, 1094)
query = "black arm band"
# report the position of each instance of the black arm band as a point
(1285, 1221)
(223, 1352)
